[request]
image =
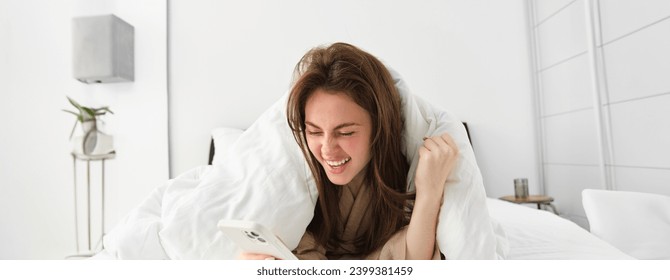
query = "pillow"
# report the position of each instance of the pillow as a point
(636, 223)
(224, 138)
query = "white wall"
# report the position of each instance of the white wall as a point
(634, 66)
(36, 171)
(231, 59)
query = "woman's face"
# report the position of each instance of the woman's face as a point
(338, 135)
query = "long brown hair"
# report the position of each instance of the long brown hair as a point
(344, 68)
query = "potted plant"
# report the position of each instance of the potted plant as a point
(88, 117)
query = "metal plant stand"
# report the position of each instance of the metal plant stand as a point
(88, 158)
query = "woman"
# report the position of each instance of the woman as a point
(345, 113)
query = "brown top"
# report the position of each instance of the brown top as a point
(355, 216)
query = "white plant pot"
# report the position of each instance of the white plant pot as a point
(86, 126)
(92, 141)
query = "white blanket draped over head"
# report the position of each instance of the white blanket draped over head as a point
(265, 178)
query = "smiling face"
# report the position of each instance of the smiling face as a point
(338, 135)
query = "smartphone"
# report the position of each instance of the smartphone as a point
(253, 237)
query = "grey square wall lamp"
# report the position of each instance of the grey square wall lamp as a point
(103, 49)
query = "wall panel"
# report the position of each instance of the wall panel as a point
(641, 132)
(571, 138)
(621, 17)
(562, 36)
(567, 87)
(639, 65)
(648, 180)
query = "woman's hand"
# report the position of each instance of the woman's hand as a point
(437, 158)
(252, 256)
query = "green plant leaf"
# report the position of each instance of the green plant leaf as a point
(87, 113)
(107, 109)
(73, 127)
(90, 114)
(74, 103)
(71, 112)
(79, 117)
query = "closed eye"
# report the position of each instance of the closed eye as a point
(314, 133)
(347, 133)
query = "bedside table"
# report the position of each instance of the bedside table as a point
(540, 200)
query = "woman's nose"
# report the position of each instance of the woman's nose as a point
(328, 145)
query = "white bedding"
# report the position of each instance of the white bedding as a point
(529, 234)
(541, 235)
(264, 178)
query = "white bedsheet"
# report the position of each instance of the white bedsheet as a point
(541, 235)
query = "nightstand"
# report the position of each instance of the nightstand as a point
(540, 200)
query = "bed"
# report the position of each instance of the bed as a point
(262, 168)
(523, 233)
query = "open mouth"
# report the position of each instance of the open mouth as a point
(339, 163)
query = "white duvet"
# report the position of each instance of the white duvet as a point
(264, 178)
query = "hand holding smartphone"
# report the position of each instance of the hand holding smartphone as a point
(253, 237)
